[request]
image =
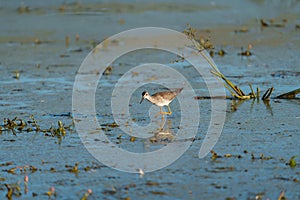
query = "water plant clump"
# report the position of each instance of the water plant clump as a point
(18, 126)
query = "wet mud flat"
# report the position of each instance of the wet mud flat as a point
(42, 47)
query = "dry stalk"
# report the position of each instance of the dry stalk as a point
(234, 90)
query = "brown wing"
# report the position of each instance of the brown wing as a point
(170, 95)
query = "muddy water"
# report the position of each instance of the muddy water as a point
(258, 138)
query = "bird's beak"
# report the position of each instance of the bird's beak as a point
(142, 100)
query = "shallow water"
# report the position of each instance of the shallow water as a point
(260, 137)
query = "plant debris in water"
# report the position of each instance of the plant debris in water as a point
(73, 169)
(22, 169)
(13, 189)
(234, 90)
(272, 23)
(292, 163)
(247, 52)
(17, 126)
(289, 95)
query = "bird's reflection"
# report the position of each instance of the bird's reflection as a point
(163, 134)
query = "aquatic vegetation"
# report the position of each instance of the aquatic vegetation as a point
(272, 23)
(234, 90)
(267, 94)
(214, 155)
(13, 190)
(73, 169)
(111, 125)
(108, 70)
(132, 139)
(289, 95)
(292, 163)
(22, 169)
(158, 192)
(261, 157)
(58, 132)
(282, 196)
(17, 126)
(87, 194)
(13, 125)
(242, 30)
(17, 74)
(51, 192)
(204, 42)
(221, 52)
(247, 52)
(6, 164)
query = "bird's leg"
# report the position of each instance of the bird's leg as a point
(170, 112)
(160, 112)
(166, 113)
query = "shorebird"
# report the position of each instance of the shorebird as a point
(162, 99)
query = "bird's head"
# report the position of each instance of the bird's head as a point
(145, 95)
